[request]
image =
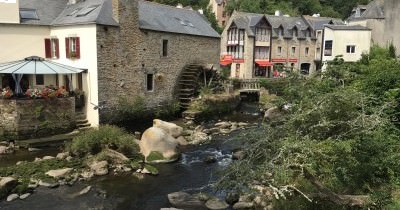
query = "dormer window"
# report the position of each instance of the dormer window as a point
(295, 33)
(28, 14)
(280, 31)
(308, 33)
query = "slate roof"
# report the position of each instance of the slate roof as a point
(158, 17)
(47, 10)
(152, 16)
(318, 23)
(102, 14)
(248, 21)
(58, 12)
(348, 27)
(374, 10)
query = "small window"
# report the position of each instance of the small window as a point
(52, 48)
(39, 79)
(165, 48)
(86, 11)
(351, 49)
(293, 50)
(72, 46)
(328, 48)
(280, 32)
(150, 82)
(279, 50)
(29, 14)
(307, 51)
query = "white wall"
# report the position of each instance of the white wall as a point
(9, 12)
(342, 38)
(88, 60)
(20, 41)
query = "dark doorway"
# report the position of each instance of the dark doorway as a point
(305, 68)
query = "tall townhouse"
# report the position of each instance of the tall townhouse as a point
(293, 44)
(246, 44)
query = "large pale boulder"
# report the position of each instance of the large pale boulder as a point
(216, 204)
(159, 143)
(171, 128)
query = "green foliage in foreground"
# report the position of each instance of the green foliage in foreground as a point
(106, 136)
(342, 129)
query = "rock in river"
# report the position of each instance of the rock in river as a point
(216, 204)
(186, 201)
(12, 197)
(99, 168)
(58, 173)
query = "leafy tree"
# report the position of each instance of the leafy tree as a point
(338, 142)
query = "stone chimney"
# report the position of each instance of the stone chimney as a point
(115, 10)
(201, 11)
(180, 6)
(278, 13)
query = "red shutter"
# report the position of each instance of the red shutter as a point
(47, 48)
(78, 47)
(67, 47)
(57, 48)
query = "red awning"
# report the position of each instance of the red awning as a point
(264, 63)
(225, 62)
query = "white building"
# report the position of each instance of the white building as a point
(347, 41)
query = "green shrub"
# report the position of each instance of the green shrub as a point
(274, 86)
(93, 141)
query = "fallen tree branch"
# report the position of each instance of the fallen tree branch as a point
(328, 195)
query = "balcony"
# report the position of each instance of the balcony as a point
(235, 42)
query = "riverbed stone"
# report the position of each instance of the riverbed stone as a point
(48, 158)
(99, 168)
(24, 196)
(216, 204)
(62, 155)
(238, 155)
(232, 198)
(186, 201)
(243, 205)
(199, 137)
(12, 197)
(48, 184)
(210, 159)
(59, 173)
(85, 190)
(6, 150)
(6, 185)
(223, 125)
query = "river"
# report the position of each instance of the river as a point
(190, 174)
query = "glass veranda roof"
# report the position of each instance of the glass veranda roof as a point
(37, 65)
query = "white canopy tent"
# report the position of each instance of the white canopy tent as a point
(35, 65)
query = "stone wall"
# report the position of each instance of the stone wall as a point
(127, 54)
(392, 23)
(24, 119)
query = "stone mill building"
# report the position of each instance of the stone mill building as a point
(129, 48)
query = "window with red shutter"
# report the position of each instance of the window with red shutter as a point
(57, 48)
(77, 48)
(47, 47)
(67, 47)
(72, 46)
